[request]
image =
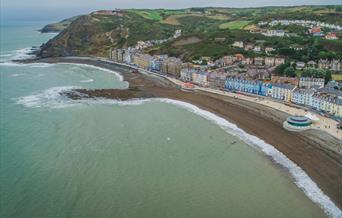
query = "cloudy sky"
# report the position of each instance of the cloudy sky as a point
(58, 9)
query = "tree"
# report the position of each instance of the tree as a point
(318, 73)
(328, 76)
(281, 68)
(290, 71)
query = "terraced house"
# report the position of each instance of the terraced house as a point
(282, 91)
(172, 66)
(243, 85)
(143, 61)
(302, 96)
(308, 82)
(186, 74)
(217, 80)
(200, 78)
(329, 101)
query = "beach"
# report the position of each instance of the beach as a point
(306, 149)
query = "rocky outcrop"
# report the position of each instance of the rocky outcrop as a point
(58, 27)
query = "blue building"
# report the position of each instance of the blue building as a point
(248, 86)
(266, 88)
(156, 65)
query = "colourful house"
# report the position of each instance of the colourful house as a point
(282, 91)
(200, 78)
(247, 86)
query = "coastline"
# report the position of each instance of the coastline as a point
(304, 149)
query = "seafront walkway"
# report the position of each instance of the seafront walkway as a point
(324, 123)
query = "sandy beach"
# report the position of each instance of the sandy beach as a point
(307, 149)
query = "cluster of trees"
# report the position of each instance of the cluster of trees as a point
(288, 70)
(317, 73)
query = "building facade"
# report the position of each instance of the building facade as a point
(243, 85)
(143, 61)
(302, 96)
(200, 78)
(216, 80)
(172, 66)
(308, 82)
(186, 74)
(282, 91)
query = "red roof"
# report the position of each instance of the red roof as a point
(239, 56)
(315, 30)
(331, 36)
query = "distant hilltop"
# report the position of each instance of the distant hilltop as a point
(206, 32)
(59, 26)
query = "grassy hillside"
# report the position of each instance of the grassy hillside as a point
(59, 26)
(95, 34)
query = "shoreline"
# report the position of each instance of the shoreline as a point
(323, 167)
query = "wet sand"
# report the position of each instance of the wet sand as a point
(306, 149)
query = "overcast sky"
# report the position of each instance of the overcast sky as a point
(58, 9)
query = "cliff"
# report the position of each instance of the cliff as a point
(95, 34)
(59, 26)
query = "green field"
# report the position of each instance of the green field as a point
(206, 24)
(337, 77)
(151, 15)
(234, 25)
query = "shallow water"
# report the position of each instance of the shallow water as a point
(61, 158)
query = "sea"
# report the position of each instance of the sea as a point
(136, 158)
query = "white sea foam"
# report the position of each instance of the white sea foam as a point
(16, 64)
(5, 55)
(87, 81)
(10, 64)
(51, 98)
(39, 65)
(302, 180)
(18, 74)
(97, 68)
(19, 54)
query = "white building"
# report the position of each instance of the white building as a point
(177, 34)
(328, 101)
(257, 49)
(300, 65)
(279, 33)
(279, 61)
(238, 44)
(186, 74)
(200, 78)
(302, 96)
(308, 82)
(282, 91)
(268, 50)
(269, 61)
(335, 65)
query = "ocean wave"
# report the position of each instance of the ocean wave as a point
(19, 54)
(17, 74)
(5, 55)
(302, 180)
(118, 75)
(52, 98)
(16, 64)
(87, 81)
